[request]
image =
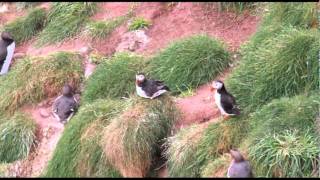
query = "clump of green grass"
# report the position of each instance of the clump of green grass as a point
(17, 134)
(39, 77)
(216, 168)
(235, 6)
(192, 150)
(134, 136)
(286, 154)
(102, 29)
(114, 78)
(268, 125)
(139, 23)
(24, 28)
(190, 62)
(78, 153)
(26, 5)
(97, 58)
(297, 112)
(298, 14)
(181, 152)
(284, 65)
(65, 20)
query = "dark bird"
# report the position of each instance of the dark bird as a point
(65, 105)
(239, 167)
(149, 88)
(7, 47)
(224, 100)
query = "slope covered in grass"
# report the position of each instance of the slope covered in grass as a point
(65, 20)
(282, 139)
(284, 65)
(17, 134)
(190, 62)
(188, 156)
(78, 152)
(133, 138)
(114, 77)
(24, 28)
(34, 78)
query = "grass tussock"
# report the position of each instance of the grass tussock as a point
(216, 168)
(39, 77)
(139, 23)
(24, 28)
(284, 65)
(114, 77)
(286, 154)
(78, 152)
(188, 156)
(134, 136)
(235, 6)
(102, 29)
(65, 20)
(190, 62)
(282, 136)
(181, 152)
(17, 134)
(298, 14)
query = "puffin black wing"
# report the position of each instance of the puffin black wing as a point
(228, 103)
(153, 86)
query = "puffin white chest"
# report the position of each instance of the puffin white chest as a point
(140, 92)
(217, 98)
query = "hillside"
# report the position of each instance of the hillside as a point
(266, 53)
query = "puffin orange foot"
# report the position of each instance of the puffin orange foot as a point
(225, 117)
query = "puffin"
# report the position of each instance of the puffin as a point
(7, 47)
(65, 105)
(239, 167)
(224, 100)
(149, 88)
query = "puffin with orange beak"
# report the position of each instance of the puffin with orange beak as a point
(149, 88)
(224, 100)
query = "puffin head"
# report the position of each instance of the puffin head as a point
(236, 155)
(216, 85)
(140, 78)
(67, 90)
(6, 36)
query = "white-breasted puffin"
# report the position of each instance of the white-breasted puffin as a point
(239, 167)
(224, 100)
(65, 105)
(7, 47)
(149, 88)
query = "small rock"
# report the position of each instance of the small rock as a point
(44, 113)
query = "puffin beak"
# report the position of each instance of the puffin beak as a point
(212, 88)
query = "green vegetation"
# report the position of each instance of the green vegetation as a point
(39, 77)
(102, 29)
(216, 168)
(298, 146)
(17, 135)
(139, 23)
(190, 62)
(235, 6)
(65, 20)
(134, 136)
(285, 56)
(286, 154)
(81, 138)
(114, 78)
(26, 5)
(24, 28)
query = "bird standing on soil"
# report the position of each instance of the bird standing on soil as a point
(149, 88)
(7, 47)
(65, 105)
(239, 167)
(224, 100)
